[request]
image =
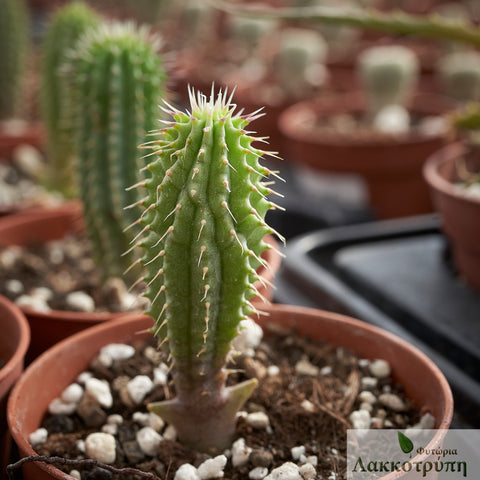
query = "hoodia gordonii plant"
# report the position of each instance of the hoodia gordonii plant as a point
(14, 39)
(63, 31)
(204, 226)
(119, 81)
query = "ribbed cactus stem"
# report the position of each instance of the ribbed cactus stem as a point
(14, 40)
(389, 75)
(204, 223)
(119, 83)
(63, 31)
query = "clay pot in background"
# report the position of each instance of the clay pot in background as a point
(42, 225)
(31, 134)
(390, 166)
(48, 376)
(460, 213)
(14, 341)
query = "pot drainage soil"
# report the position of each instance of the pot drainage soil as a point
(61, 275)
(308, 395)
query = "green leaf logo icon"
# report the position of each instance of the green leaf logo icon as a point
(405, 443)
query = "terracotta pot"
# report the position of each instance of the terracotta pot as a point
(460, 214)
(14, 342)
(391, 167)
(52, 372)
(43, 225)
(33, 134)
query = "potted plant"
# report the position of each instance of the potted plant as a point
(378, 135)
(13, 346)
(15, 40)
(203, 215)
(452, 174)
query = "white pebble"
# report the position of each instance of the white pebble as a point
(72, 394)
(100, 390)
(42, 293)
(368, 383)
(170, 433)
(379, 368)
(58, 407)
(304, 367)
(427, 422)
(160, 375)
(80, 301)
(34, 303)
(360, 419)
(138, 387)
(115, 419)
(148, 440)
(80, 445)
(392, 401)
(142, 418)
(110, 428)
(101, 447)
(75, 474)
(393, 119)
(287, 471)
(14, 286)
(312, 459)
(332, 476)
(212, 468)
(84, 376)
(118, 351)
(240, 453)
(258, 420)
(367, 397)
(258, 473)
(366, 406)
(363, 362)
(273, 370)
(187, 472)
(308, 471)
(307, 405)
(104, 359)
(297, 452)
(249, 337)
(327, 370)
(38, 437)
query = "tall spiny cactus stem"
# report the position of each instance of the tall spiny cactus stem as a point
(14, 40)
(119, 81)
(389, 74)
(204, 222)
(64, 29)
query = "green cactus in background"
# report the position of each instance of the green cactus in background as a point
(204, 225)
(63, 31)
(119, 81)
(459, 75)
(299, 63)
(389, 74)
(14, 41)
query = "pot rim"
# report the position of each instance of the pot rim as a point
(24, 337)
(431, 168)
(353, 102)
(142, 320)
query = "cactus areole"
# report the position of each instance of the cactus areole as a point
(203, 228)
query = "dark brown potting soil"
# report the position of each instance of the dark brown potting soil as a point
(333, 391)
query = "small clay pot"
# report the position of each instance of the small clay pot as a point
(460, 214)
(14, 342)
(43, 225)
(390, 166)
(51, 373)
(32, 134)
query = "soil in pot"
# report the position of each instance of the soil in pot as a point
(308, 396)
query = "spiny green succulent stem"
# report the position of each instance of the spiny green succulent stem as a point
(204, 226)
(400, 23)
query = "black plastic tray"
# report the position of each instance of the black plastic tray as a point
(396, 275)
